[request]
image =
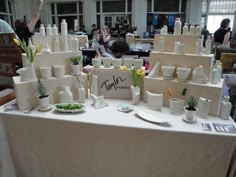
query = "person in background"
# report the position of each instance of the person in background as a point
(222, 35)
(103, 38)
(94, 30)
(205, 34)
(5, 27)
(25, 31)
(83, 29)
(119, 48)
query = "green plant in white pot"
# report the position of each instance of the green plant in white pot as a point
(43, 98)
(191, 109)
(75, 64)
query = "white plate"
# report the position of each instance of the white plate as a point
(153, 118)
(44, 109)
(125, 108)
(68, 111)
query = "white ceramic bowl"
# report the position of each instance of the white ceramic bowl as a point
(168, 71)
(183, 73)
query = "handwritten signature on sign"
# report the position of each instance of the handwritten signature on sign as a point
(114, 84)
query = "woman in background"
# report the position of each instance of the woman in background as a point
(25, 31)
(222, 35)
(103, 37)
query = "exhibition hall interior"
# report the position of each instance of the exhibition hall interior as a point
(118, 88)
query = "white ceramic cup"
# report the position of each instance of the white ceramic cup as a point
(116, 63)
(96, 62)
(107, 62)
(176, 106)
(183, 73)
(45, 72)
(168, 71)
(138, 63)
(128, 62)
(59, 71)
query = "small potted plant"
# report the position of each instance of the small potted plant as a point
(191, 110)
(43, 98)
(75, 64)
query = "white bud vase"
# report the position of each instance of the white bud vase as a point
(64, 30)
(54, 30)
(208, 46)
(135, 90)
(185, 29)
(27, 73)
(162, 44)
(177, 28)
(204, 106)
(42, 30)
(65, 95)
(199, 47)
(225, 108)
(81, 94)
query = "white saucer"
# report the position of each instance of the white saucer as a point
(125, 108)
(75, 74)
(189, 121)
(44, 109)
(153, 118)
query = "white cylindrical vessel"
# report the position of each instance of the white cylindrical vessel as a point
(178, 26)
(192, 30)
(64, 27)
(49, 30)
(30, 45)
(56, 45)
(65, 44)
(75, 44)
(199, 47)
(198, 30)
(214, 75)
(204, 106)
(208, 46)
(225, 108)
(42, 30)
(54, 30)
(162, 44)
(219, 70)
(185, 29)
(81, 94)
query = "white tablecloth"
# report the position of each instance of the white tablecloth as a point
(108, 143)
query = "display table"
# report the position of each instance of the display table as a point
(108, 143)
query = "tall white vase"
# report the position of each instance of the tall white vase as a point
(192, 30)
(81, 94)
(185, 29)
(27, 73)
(135, 90)
(162, 44)
(225, 108)
(65, 95)
(208, 46)
(199, 47)
(204, 106)
(94, 85)
(177, 28)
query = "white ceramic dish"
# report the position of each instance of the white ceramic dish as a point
(125, 108)
(68, 110)
(189, 121)
(153, 118)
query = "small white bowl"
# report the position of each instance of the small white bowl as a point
(168, 71)
(183, 73)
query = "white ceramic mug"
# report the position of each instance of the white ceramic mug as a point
(45, 72)
(59, 71)
(138, 63)
(96, 62)
(107, 62)
(116, 63)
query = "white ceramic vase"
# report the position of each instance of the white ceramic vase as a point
(177, 28)
(154, 101)
(59, 71)
(176, 106)
(192, 30)
(45, 72)
(190, 116)
(81, 94)
(135, 90)
(179, 48)
(204, 106)
(199, 76)
(199, 47)
(208, 46)
(75, 69)
(185, 29)
(27, 73)
(162, 44)
(44, 102)
(65, 95)
(225, 108)
(94, 85)
(155, 71)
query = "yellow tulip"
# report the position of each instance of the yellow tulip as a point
(16, 41)
(37, 49)
(124, 68)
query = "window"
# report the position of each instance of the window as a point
(114, 6)
(215, 11)
(6, 11)
(70, 11)
(167, 6)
